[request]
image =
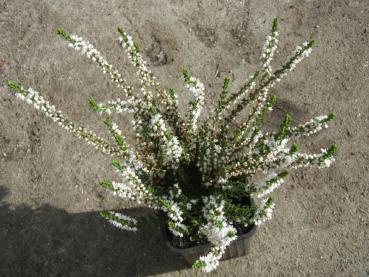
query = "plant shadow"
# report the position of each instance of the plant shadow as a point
(48, 241)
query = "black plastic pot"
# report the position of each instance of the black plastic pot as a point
(238, 248)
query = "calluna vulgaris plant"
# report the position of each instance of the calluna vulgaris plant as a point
(202, 175)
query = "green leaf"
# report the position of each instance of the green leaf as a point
(117, 165)
(225, 88)
(93, 104)
(294, 148)
(119, 140)
(330, 152)
(282, 174)
(186, 75)
(275, 25)
(154, 108)
(65, 35)
(269, 202)
(15, 87)
(151, 189)
(283, 130)
(331, 116)
(219, 224)
(120, 31)
(168, 135)
(311, 44)
(107, 185)
(107, 122)
(198, 265)
(272, 101)
(137, 46)
(172, 94)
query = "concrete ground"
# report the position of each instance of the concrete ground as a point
(49, 193)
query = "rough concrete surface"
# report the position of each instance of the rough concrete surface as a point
(49, 193)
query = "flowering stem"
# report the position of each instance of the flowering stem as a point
(33, 97)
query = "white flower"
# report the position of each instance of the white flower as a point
(220, 236)
(122, 221)
(273, 187)
(179, 229)
(197, 89)
(171, 147)
(118, 106)
(266, 213)
(328, 162)
(217, 231)
(92, 53)
(268, 51)
(300, 57)
(211, 262)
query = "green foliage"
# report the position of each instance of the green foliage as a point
(294, 148)
(65, 35)
(187, 77)
(117, 165)
(268, 107)
(275, 25)
(198, 265)
(332, 150)
(14, 86)
(108, 185)
(283, 130)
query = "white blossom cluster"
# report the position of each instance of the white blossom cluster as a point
(264, 212)
(217, 230)
(301, 52)
(124, 190)
(236, 97)
(198, 90)
(122, 221)
(311, 127)
(115, 128)
(307, 160)
(144, 73)
(171, 148)
(175, 213)
(269, 48)
(117, 106)
(210, 261)
(219, 236)
(135, 189)
(212, 158)
(135, 57)
(278, 151)
(269, 188)
(174, 210)
(268, 51)
(175, 192)
(258, 99)
(197, 173)
(33, 98)
(87, 49)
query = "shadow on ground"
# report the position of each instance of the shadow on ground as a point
(51, 242)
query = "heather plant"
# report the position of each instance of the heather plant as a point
(201, 173)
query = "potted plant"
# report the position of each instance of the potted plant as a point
(211, 180)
